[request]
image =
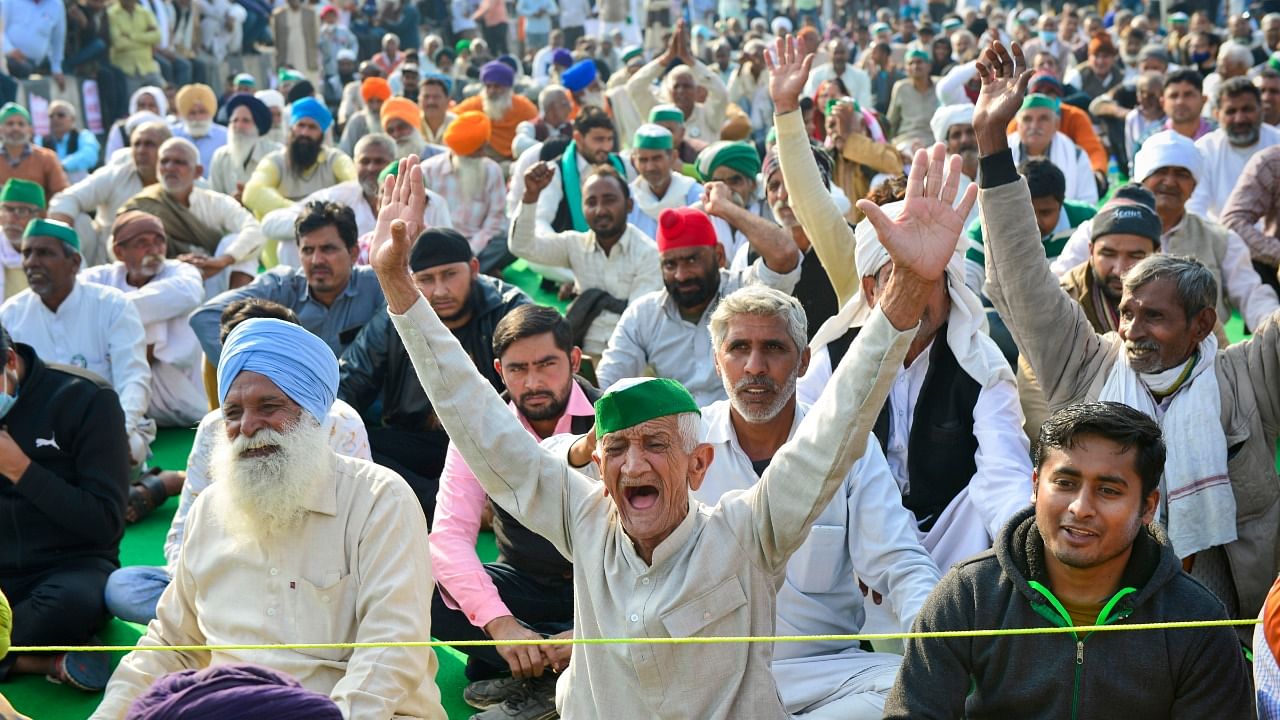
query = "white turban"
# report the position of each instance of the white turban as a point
(781, 25)
(1166, 149)
(270, 98)
(948, 115)
(156, 94)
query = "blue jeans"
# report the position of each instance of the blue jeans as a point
(132, 592)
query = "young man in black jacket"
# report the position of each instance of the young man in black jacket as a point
(64, 476)
(1086, 554)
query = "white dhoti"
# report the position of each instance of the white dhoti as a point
(851, 685)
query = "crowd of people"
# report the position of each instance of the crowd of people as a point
(726, 319)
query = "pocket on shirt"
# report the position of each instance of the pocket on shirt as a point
(325, 613)
(721, 611)
(813, 568)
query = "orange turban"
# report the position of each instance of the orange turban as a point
(468, 133)
(375, 87)
(399, 108)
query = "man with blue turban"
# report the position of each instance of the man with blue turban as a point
(305, 164)
(294, 543)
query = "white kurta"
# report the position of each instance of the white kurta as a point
(682, 192)
(97, 329)
(100, 195)
(225, 173)
(177, 384)
(1072, 161)
(1223, 164)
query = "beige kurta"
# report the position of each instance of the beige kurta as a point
(716, 574)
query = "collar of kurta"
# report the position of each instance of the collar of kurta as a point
(667, 548)
(717, 423)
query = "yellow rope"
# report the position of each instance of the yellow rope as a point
(1004, 632)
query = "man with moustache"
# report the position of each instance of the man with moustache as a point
(658, 187)
(196, 106)
(303, 166)
(408, 437)
(1039, 135)
(294, 543)
(528, 593)
(560, 205)
(21, 201)
(433, 98)
(23, 158)
(1241, 134)
(402, 120)
(555, 108)
(163, 292)
(582, 80)
(504, 108)
(247, 144)
(472, 186)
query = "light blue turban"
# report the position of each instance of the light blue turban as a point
(310, 108)
(299, 363)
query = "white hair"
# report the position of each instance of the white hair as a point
(1232, 51)
(188, 148)
(382, 140)
(760, 301)
(690, 428)
(550, 92)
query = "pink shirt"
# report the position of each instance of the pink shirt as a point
(460, 575)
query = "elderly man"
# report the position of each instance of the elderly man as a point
(77, 149)
(303, 166)
(680, 87)
(472, 186)
(668, 328)
(21, 201)
(560, 206)
(864, 532)
(433, 98)
(582, 80)
(247, 144)
(658, 186)
(504, 108)
(953, 375)
(855, 80)
(283, 529)
(613, 264)
(207, 229)
(88, 326)
(1074, 122)
(1148, 116)
(23, 158)
(91, 204)
(1225, 151)
(555, 108)
(858, 159)
(196, 106)
(402, 121)
(374, 91)
(163, 292)
(736, 165)
(1224, 508)
(65, 464)
(1038, 135)
(333, 298)
(640, 521)
(275, 103)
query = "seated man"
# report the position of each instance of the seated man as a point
(281, 548)
(1252, 210)
(21, 201)
(864, 532)
(90, 205)
(89, 326)
(1227, 150)
(737, 165)
(614, 263)
(528, 593)
(402, 121)
(560, 206)
(1038, 136)
(77, 149)
(472, 187)
(333, 298)
(410, 439)
(640, 527)
(196, 105)
(205, 229)
(667, 328)
(1086, 554)
(23, 158)
(658, 186)
(373, 91)
(247, 144)
(857, 156)
(304, 165)
(684, 77)
(555, 108)
(132, 592)
(504, 108)
(163, 292)
(65, 467)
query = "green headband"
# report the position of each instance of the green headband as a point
(22, 191)
(660, 114)
(10, 109)
(918, 54)
(652, 141)
(54, 229)
(287, 75)
(640, 400)
(740, 156)
(632, 53)
(1037, 100)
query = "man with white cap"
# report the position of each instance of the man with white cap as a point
(700, 571)
(275, 104)
(657, 187)
(1225, 151)
(953, 125)
(1171, 167)
(278, 549)
(954, 381)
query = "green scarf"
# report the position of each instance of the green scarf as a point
(573, 183)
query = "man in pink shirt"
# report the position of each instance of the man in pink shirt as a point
(528, 593)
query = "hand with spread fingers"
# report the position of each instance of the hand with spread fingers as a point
(404, 199)
(1004, 78)
(788, 72)
(923, 238)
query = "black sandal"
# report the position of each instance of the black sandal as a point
(146, 495)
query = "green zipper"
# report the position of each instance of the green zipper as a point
(1063, 619)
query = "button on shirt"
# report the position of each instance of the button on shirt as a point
(337, 324)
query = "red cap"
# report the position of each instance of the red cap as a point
(328, 9)
(684, 227)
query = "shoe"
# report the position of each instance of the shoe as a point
(535, 699)
(483, 694)
(87, 671)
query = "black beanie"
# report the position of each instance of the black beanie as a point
(439, 246)
(1127, 219)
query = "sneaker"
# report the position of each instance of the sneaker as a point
(483, 694)
(87, 671)
(535, 699)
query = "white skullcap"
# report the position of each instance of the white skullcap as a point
(346, 54)
(140, 117)
(780, 25)
(1166, 149)
(270, 98)
(868, 254)
(948, 115)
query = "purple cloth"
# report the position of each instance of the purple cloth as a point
(498, 73)
(561, 57)
(241, 691)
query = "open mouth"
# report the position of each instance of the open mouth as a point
(641, 497)
(262, 451)
(1078, 534)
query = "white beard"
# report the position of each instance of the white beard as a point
(592, 99)
(411, 144)
(198, 128)
(471, 175)
(241, 146)
(497, 109)
(264, 496)
(277, 135)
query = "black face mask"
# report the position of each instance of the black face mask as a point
(303, 153)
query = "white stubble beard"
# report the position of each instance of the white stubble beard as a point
(471, 175)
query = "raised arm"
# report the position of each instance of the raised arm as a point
(526, 241)
(774, 244)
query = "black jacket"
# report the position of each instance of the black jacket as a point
(1198, 673)
(69, 504)
(376, 361)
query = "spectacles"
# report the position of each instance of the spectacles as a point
(20, 210)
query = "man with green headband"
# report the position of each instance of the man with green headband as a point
(1038, 135)
(21, 201)
(658, 187)
(913, 102)
(735, 165)
(23, 158)
(648, 560)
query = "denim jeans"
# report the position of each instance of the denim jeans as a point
(132, 592)
(95, 50)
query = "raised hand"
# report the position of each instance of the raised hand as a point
(718, 198)
(788, 72)
(1004, 84)
(923, 238)
(404, 199)
(536, 179)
